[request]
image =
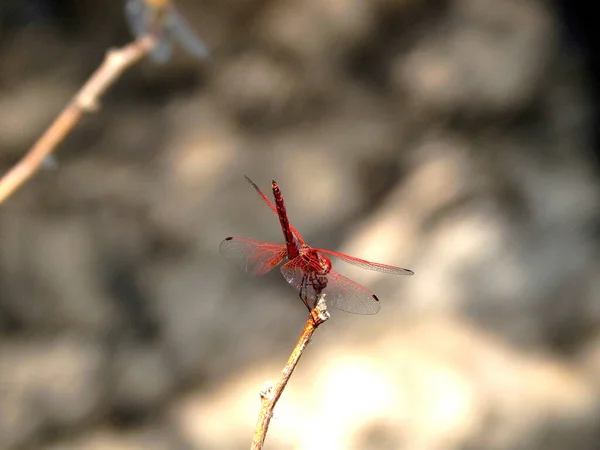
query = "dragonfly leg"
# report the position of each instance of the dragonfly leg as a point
(318, 283)
(303, 292)
(314, 284)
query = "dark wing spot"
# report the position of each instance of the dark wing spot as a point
(375, 297)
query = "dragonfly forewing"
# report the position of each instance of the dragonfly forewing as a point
(252, 256)
(186, 37)
(369, 265)
(135, 15)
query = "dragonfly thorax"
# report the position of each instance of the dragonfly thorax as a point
(315, 262)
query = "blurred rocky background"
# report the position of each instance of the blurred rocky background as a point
(456, 138)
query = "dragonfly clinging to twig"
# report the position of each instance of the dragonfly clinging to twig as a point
(306, 269)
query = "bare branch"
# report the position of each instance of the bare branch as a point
(85, 101)
(270, 395)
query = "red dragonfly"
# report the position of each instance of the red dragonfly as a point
(161, 18)
(307, 269)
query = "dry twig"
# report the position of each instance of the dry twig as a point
(85, 101)
(270, 395)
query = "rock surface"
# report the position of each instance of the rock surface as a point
(453, 137)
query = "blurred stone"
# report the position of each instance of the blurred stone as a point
(49, 384)
(317, 31)
(114, 298)
(24, 106)
(150, 438)
(191, 320)
(258, 89)
(436, 384)
(52, 275)
(486, 58)
(143, 378)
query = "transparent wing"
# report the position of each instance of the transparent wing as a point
(340, 292)
(368, 264)
(252, 256)
(347, 295)
(143, 19)
(163, 50)
(186, 36)
(136, 17)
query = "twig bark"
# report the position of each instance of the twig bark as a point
(85, 101)
(270, 395)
